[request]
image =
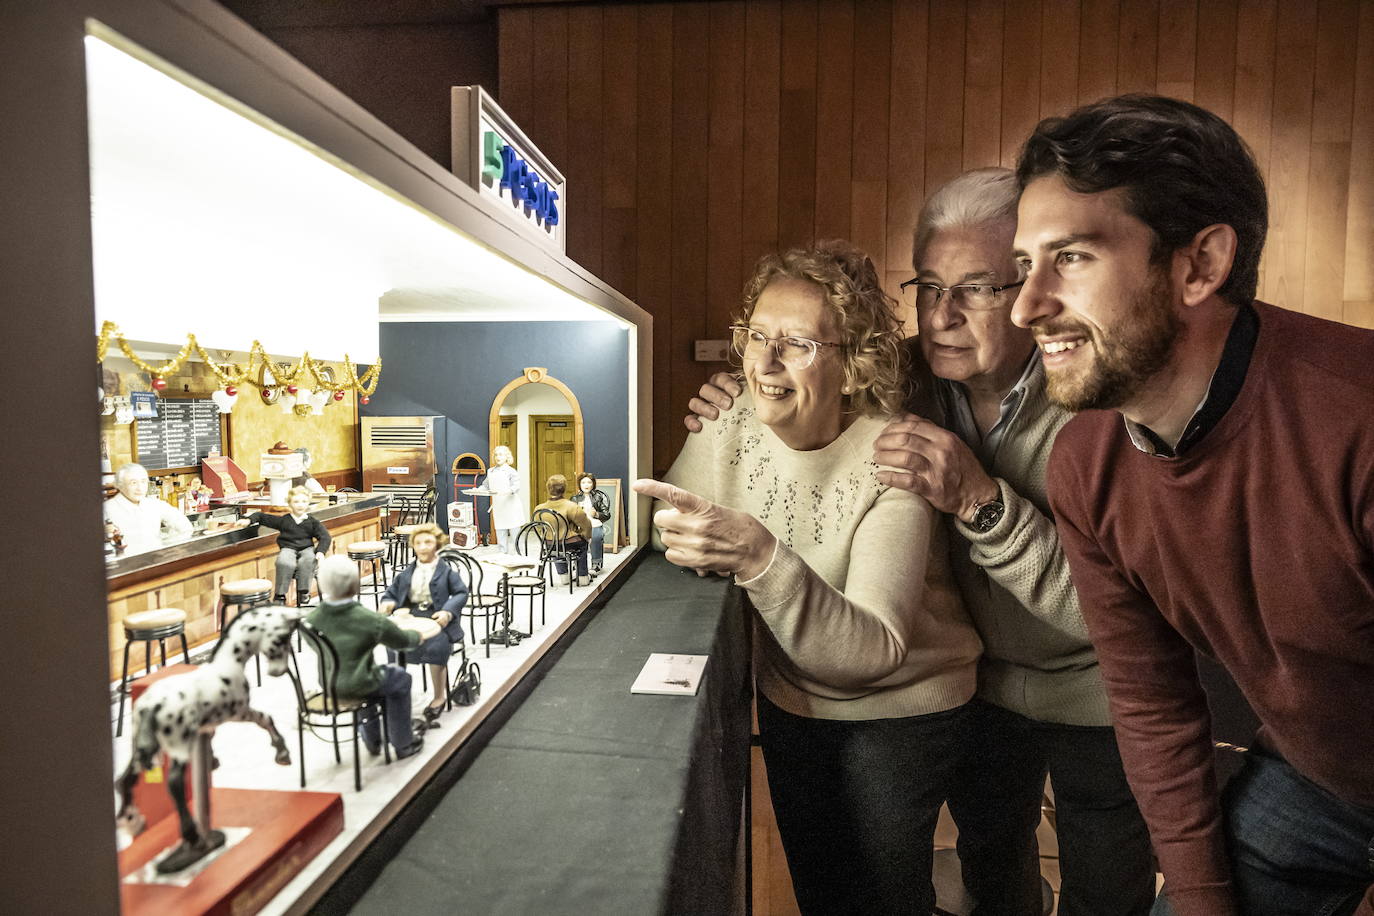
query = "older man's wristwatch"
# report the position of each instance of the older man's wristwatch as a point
(986, 515)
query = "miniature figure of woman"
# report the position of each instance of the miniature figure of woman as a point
(503, 483)
(597, 505)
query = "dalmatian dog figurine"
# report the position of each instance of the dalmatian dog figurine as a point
(175, 710)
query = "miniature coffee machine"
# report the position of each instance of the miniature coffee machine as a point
(280, 466)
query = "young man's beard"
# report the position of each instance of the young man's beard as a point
(1134, 352)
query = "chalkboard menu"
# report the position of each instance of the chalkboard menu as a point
(184, 431)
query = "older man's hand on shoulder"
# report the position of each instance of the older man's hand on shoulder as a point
(934, 463)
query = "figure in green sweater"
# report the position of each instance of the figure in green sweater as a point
(355, 632)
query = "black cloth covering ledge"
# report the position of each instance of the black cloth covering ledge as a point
(591, 799)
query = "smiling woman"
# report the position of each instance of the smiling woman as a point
(864, 657)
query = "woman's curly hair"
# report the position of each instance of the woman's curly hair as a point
(870, 332)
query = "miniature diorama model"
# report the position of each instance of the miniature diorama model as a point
(305, 480)
(355, 632)
(139, 520)
(430, 587)
(597, 505)
(578, 530)
(865, 660)
(175, 711)
(303, 540)
(503, 483)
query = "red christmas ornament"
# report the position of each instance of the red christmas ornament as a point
(231, 390)
(158, 383)
(338, 395)
(267, 394)
(291, 389)
(364, 399)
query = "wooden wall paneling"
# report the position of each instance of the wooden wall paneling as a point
(1254, 94)
(1099, 26)
(945, 92)
(1177, 69)
(515, 57)
(762, 142)
(585, 114)
(1214, 81)
(1137, 52)
(1020, 77)
(1329, 170)
(1059, 43)
(619, 148)
(547, 122)
(691, 134)
(906, 131)
(982, 140)
(654, 205)
(872, 89)
(725, 184)
(797, 125)
(1290, 152)
(834, 117)
(1359, 232)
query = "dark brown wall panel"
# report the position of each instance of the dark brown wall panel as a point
(709, 133)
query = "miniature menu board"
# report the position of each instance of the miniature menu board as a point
(184, 431)
(670, 675)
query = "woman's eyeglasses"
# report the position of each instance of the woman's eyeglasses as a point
(793, 352)
(971, 296)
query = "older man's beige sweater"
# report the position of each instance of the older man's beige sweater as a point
(857, 614)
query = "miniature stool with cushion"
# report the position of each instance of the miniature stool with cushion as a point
(241, 594)
(371, 553)
(153, 625)
(400, 545)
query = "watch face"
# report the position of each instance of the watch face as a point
(988, 515)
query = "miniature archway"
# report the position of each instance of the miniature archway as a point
(538, 376)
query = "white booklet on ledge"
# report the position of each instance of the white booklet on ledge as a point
(670, 675)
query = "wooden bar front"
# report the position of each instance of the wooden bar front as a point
(189, 578)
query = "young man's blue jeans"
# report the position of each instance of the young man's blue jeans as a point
(394, 693)
(578, 549)
(1295, 848)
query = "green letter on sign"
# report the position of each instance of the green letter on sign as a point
(491, 157)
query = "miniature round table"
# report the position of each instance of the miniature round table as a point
(427, 627)
(509, 563)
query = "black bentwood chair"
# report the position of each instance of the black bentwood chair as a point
(324, 706)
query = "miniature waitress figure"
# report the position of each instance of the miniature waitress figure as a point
(503, 483)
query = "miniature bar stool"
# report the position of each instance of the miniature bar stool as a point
(241, 594)
(371, 553)
(401, 553)
(154, 625)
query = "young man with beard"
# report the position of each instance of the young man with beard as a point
(1041, 706)
(1228, 510)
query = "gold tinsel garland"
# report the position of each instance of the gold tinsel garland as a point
(235, 374)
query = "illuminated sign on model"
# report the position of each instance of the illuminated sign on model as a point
(500, 163)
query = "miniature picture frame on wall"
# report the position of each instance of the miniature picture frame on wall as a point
(144, 404)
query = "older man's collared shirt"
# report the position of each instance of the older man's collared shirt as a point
(1222, 390)
(141, 523)
(959, 412)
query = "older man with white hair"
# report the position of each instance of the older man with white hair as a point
(140, 520)
(1041, 706)
(355, 632)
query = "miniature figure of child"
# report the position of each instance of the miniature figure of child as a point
(302, 540)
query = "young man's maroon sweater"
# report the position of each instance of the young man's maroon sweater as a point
(1256, 547)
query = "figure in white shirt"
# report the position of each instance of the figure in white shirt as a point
(503, 483)
(141, 520)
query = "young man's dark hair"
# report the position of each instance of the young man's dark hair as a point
(1181, 168)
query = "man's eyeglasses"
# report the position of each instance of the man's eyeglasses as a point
(972, 296)
(793, 352)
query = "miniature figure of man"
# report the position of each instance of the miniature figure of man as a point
(139, 520)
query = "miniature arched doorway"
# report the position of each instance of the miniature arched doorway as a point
(531, 464)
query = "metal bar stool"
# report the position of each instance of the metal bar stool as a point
(400, 545)
(155, 625)
(371, 553)
(241, 594)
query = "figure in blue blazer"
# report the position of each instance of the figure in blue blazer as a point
(429, 587)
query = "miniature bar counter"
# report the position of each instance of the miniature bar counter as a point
(188, 575)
